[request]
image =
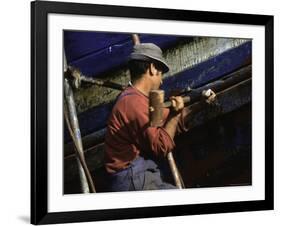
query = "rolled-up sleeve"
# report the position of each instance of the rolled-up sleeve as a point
(159, 141)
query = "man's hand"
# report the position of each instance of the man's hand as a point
(174, 116)
(177, 103)
(209, 96)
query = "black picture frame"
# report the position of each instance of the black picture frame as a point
(39, 112)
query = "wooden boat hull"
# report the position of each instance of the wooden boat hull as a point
(215, 152)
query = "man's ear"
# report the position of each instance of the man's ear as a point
(152, 69)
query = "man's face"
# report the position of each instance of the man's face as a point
(156, 76)
(159, 79)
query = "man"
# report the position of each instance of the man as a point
(131, 145)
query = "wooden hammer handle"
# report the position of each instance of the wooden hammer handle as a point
(176, 174)
(168, 104)
(136, 39)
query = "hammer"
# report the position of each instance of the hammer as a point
(156, 103)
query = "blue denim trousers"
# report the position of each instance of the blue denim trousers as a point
(140, 175)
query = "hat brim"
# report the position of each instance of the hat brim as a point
(165, 67)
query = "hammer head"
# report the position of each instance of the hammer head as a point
(156, 100)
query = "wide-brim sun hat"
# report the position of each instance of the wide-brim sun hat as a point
(148, 52)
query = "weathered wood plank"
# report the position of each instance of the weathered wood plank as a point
(94, 158)
(88, 142)
(189, 54)
(211, 69)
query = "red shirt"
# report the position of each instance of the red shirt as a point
(129, 134)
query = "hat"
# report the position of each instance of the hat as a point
(149, 51)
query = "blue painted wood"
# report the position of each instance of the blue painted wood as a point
(95, 53)
(211, 69)
(91, 120)
(80, 43)
(205, 72)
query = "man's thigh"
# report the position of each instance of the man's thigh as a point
(153, 181)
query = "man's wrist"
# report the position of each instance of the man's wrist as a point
(174, 113)
(171, 124)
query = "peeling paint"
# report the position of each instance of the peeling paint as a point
(185, 56)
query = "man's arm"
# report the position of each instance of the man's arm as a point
(174, 116)
(189, 112)
(180, 116)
